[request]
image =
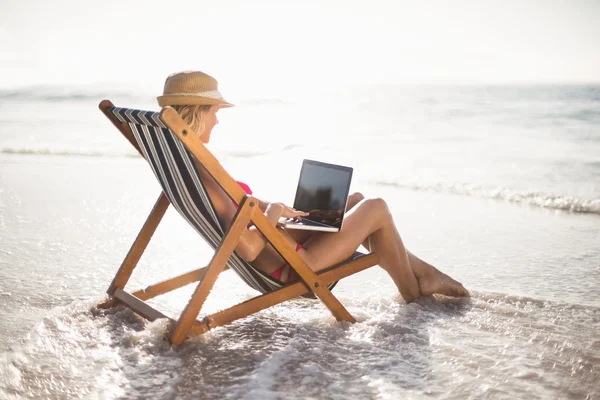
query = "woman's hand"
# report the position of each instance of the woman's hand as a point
(277, 210)
(289, 212)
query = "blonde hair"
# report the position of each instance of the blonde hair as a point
(193, 116)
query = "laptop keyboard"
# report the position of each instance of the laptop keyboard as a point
(306, 222)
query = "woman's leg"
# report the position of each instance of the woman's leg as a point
(403, 266)
(353, 200)
(369, 219)
(431, 280)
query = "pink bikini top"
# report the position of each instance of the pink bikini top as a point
(246, 189)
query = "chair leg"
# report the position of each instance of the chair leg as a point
(138, 306)
(171, 284)
(290, 291)
(139, 245)
(311, 280)
(217, 264)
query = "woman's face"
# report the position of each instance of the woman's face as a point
(210, 120)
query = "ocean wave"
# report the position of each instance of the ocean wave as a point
(244, 154)
(537, 199)
(65, 153)
(264, 102)
(78, 94)
(57, 95)
(108, 154)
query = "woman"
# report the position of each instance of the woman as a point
(368, 222)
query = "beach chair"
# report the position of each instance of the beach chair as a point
(164, 140)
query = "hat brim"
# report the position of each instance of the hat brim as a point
(190, 100)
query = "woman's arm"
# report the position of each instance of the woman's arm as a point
(263, 205)
(252, 242)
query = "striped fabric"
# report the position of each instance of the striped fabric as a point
(174, 168)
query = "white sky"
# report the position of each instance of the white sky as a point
(280, 44)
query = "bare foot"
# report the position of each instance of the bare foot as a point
(440, 283)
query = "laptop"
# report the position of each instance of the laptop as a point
(323, 192)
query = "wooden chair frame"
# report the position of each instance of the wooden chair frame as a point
(248, 212)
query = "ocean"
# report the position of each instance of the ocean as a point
(498, 186)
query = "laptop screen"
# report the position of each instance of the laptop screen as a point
(323, 191)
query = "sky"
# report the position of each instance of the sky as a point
(269, 45)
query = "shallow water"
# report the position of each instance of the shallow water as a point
(69, 215)
(489, 346)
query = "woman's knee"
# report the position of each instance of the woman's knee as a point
(357, 197)
(354, 199)
(377, 204)
(375, 211)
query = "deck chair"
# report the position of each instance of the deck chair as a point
(164, 140)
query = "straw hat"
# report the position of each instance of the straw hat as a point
(191, 88)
